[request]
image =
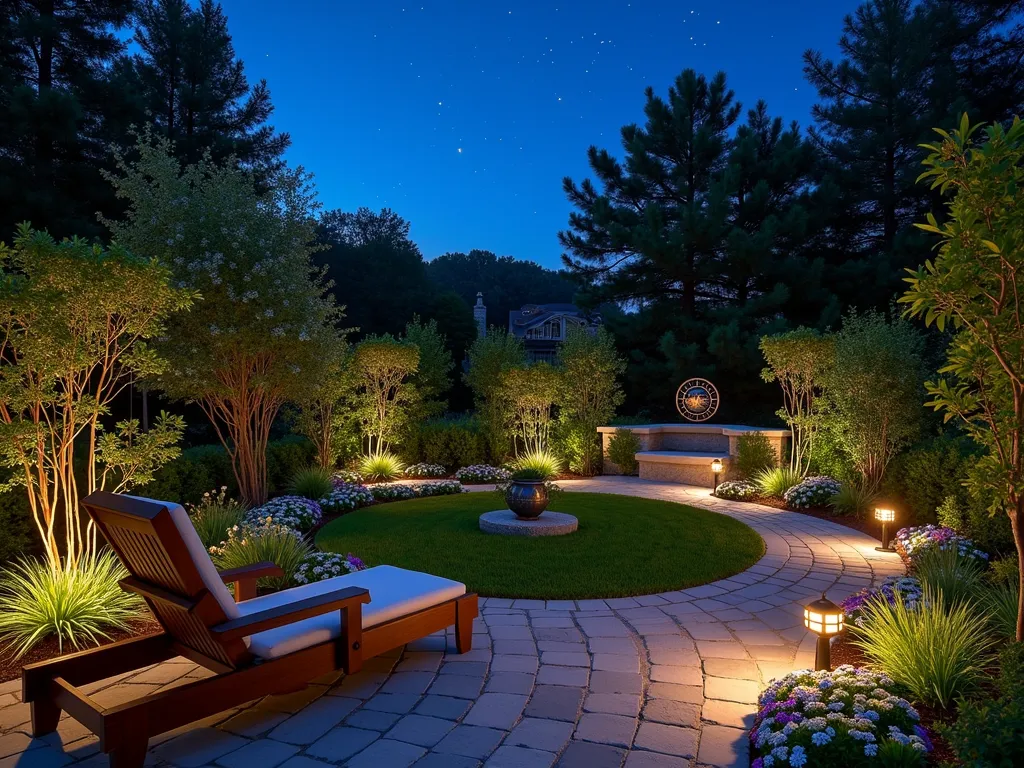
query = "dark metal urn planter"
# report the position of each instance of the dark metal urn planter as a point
(527, 498)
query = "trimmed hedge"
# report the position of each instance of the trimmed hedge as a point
(451, 442)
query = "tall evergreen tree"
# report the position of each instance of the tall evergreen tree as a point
(194, 89)
(700, 238)
(54, 59)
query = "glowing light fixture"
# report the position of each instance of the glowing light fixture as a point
(825, 619)
(885, 515)
(716, 468)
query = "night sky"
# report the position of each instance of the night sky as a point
(463, 116)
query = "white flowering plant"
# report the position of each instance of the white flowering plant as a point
(438, 488)
(345, 497)
(845, 717)
(482, 473)
(295, 512)
(392, 492)
(347, 477)
(905, 588)
(812, 493)
(318, 566)
(911, 542)
(425, 470)
(737, 490)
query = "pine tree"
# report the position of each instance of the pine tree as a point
(54, 58)
(700, 239)
(194, 89)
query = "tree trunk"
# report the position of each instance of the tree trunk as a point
(1017, 526)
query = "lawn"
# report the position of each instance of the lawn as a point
(624, 546)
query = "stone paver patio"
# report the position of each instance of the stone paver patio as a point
(655, 681)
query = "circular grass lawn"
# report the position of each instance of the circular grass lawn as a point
(624, 546)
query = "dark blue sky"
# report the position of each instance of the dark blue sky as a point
(463, 116)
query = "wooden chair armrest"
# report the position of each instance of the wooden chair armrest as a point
(290, 613)
(254, 571)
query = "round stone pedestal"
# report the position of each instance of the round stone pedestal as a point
(504, 522)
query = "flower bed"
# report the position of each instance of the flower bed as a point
(295, 512)
(346, 477)
(438, 488)
(911, 542)
(345, 497)
(401, 491)
(326, 565)
(906, 587)
(812, 492)
(425, 470)
(482, 473)
(737, 490)
(844, 717)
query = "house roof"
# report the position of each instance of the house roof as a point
(531, 315)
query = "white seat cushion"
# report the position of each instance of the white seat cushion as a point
(207, 570)
(394, 592)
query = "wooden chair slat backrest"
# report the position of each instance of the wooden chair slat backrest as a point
(144, 536)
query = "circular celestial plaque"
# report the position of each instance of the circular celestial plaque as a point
(697, 399)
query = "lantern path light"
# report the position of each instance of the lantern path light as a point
(825, 619)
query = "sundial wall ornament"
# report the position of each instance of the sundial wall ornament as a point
(697, 399)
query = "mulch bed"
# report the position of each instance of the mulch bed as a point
(845, 652)
(10, 667)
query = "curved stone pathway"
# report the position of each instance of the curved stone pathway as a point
(656, 681)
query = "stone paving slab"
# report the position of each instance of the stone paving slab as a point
(653, 681)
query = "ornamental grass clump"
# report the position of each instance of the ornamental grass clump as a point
(839, 718)
(345, 497)
(424, 469)
(812, 493)
(1000, 602)
(737, 490)
(958, 577)
(775, 482)
(312, 483)
(253, 543)
(544, 463)
(214, 515)
(482, 473)
(295, 512)
(326, 565)
(938, 650)
(78, 605)
(381, 467)
(905, 588)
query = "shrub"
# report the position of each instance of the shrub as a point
(754, 453)
(905, 588)
(214, 515)
(987, 732)
(737, 490)
(580, 448)
(931, 472)
(1000, 602)
(78, 605)
(917, 539)
(818, 719)
(812, 493)
(853, 499)
(451, 442)
(937, 650)
(481, 473)
(1005, 570)
(295, 512)
(311, 483)
(425, 470)
(957, 577)
(345, 497)
(545, 463)
(259, 542)
(622, 449)
(775, 482)
(15, 524)
(381, 466)
(972, 519)
(285, 458)
(326, 565)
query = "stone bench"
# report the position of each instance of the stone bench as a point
(683, 453)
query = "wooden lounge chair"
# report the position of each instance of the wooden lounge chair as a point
(273, 644)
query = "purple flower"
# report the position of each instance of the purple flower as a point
(922, 733)
(758, 763)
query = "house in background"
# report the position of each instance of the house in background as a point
(543, 326)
